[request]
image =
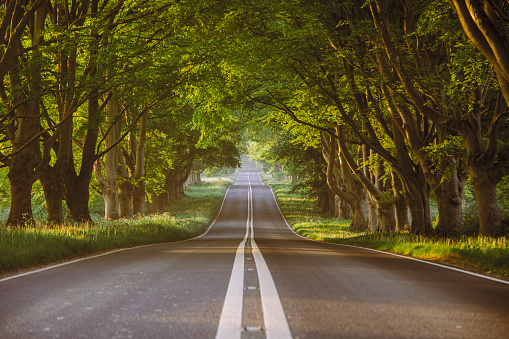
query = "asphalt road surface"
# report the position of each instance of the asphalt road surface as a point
(250, 276)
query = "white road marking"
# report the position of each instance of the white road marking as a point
(276, 324)
(230, 323)
(118, 250)
(389, 253)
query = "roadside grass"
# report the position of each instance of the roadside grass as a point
(480, 254)
(42, 244)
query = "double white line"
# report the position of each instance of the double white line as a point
(230, 324)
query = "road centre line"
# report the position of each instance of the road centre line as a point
(230, 323)
(276, 324)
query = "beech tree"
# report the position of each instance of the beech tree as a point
(92, 51)
(453, 117)
(393, 104)
(485, 24)
(386, 72)
(21, 108)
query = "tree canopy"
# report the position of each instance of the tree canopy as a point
(381, 109)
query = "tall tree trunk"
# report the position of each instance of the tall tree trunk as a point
(20, 213)
(108, 182)
(77, 197)
(139, 187)
(125, 199)
(77, 193)
(125, 190)
(449, 196)
(489, 211)
(416, 129)
(415, 186)
(444, 176)
(448, 189)
(485, 172)
(27, 155)
(139, 198)
(22, 174)
(77, 186)
(153, 204)
(53, 188)
(51, 176)
(400, 204)
(352, 192)
(163, 201)
(67, 103)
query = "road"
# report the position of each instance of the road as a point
(250, 276)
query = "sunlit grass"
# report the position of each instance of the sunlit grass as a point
(490, 255)
(42, 244)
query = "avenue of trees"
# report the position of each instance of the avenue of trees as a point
(405, 101)
(382, 106)
(101, 95)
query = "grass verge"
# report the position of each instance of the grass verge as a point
(187, 217)
(480, 254)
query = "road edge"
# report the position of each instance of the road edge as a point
(44, 267)
(438, 264)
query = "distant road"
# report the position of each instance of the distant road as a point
(250, 276)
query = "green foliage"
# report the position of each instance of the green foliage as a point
(503, 194)
(188, 217)
(440, 155)
(218, 74)
(223, 156)
(490, 255)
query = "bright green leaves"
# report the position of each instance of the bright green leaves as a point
(440, 156)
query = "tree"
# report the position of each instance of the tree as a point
(21, 108)
(452, 116)
(108, 182)
(485, 24)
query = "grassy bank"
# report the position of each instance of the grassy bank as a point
(482, 254)
(186, 218)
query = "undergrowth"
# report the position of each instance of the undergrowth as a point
(484, 254)
(43, 244)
